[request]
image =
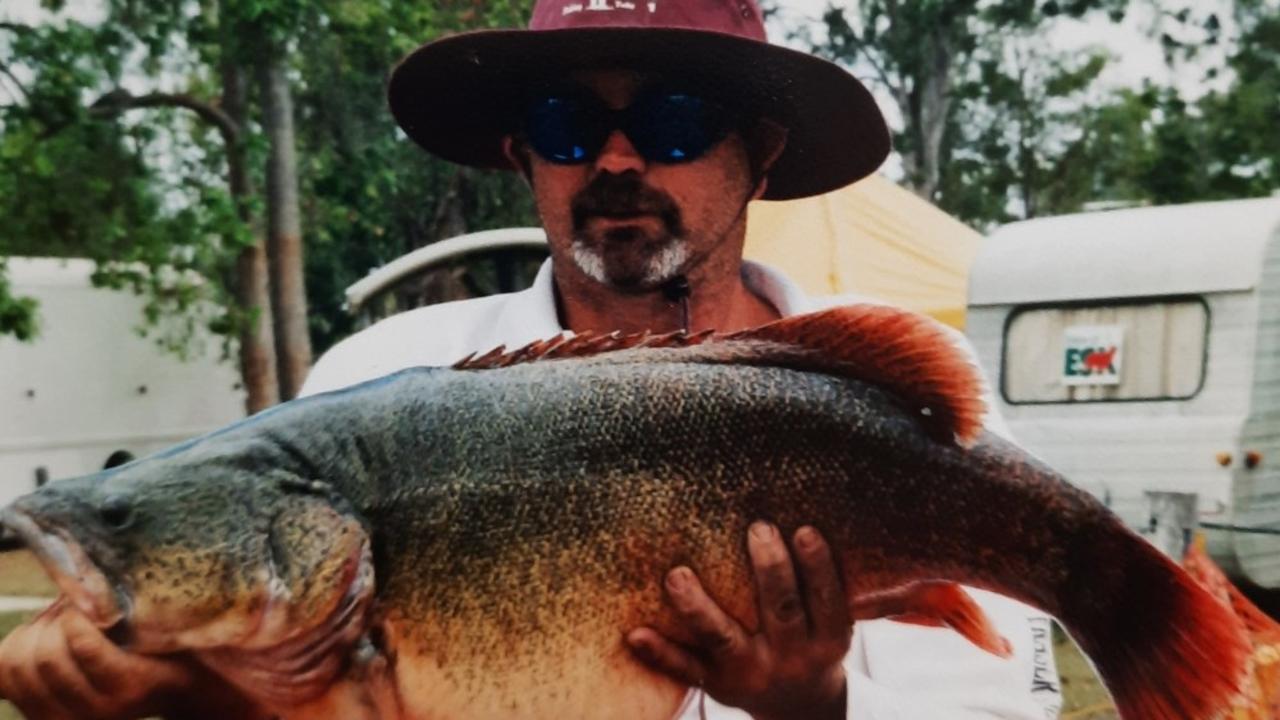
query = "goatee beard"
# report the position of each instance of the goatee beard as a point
(655, 271)
(629, 258)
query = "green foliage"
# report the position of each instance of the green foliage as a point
(144, 192)
(77, 182)
(1153, 146)
(989, 114)
(372, 194)
(17, 314)
(1026, 131)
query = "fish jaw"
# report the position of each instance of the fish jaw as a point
(303, 667)
(70, 567)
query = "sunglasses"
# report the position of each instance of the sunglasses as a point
(664, 127)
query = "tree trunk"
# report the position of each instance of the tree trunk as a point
(284, 233)
(933, 105)
(450, 221)
(252, 287)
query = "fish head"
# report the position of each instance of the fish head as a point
(168, 555)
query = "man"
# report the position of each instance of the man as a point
(644, 129)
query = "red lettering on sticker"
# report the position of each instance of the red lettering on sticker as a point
(1099, 361)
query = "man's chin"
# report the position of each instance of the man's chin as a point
(631, 273)
(633, 285)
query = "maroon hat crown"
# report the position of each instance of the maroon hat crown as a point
(460, 95)
(732, 17)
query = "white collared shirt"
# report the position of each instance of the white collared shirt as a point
(896, 671)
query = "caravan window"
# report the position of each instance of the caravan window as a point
(1124, 350)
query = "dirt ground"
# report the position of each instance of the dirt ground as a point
(21, 575)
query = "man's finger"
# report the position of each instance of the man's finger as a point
(62, 683)
(824, 594)
(667, 657)
(104, 665)
(712, 630)
(782, 614)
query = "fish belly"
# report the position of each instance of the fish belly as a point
(509, 577)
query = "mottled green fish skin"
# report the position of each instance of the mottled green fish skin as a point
(521, 514)
(498, 492)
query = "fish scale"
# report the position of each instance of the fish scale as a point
(516, 519)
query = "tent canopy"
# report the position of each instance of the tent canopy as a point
(872, 238)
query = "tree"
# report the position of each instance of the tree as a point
(361, 190)
(370, 195)
(1152, 145)
(954, 68)
(74, 183)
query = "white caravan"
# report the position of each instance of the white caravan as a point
(1139, 350)
(89, 386)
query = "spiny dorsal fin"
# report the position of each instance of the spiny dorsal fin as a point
(907, 354)
(580, 345)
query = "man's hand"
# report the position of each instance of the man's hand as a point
(60, 666)
(792, 666)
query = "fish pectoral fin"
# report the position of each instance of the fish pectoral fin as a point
(937, 604)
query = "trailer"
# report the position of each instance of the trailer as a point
(89, 391)
(1138, 351)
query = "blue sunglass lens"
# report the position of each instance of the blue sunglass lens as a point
(560, 130)
(675, 128)
(666, 128)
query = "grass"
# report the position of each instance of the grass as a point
(1083, 697)
(20, 574)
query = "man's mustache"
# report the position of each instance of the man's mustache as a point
(610, 195)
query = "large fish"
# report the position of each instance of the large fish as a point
(473, 542)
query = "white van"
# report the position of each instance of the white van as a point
(89, 386)
(1139, 350)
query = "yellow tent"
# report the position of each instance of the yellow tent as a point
(872, 238)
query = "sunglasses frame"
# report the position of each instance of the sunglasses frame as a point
(598, 121)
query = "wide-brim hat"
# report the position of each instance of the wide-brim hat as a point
(458, 96)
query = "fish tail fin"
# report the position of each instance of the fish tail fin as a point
(1166, 648)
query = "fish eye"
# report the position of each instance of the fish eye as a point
(116, 512)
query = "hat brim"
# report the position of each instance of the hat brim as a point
(458, 96)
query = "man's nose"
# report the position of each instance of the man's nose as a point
(618, 155)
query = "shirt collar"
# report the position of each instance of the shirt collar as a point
(536, 315)
(785, 296)
(530, 314)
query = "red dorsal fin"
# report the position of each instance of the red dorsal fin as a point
(909, 355)
(581, 345)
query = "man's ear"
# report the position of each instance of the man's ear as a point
(518, 155)
(765, 143)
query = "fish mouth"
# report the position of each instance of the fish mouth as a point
(66, 561)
